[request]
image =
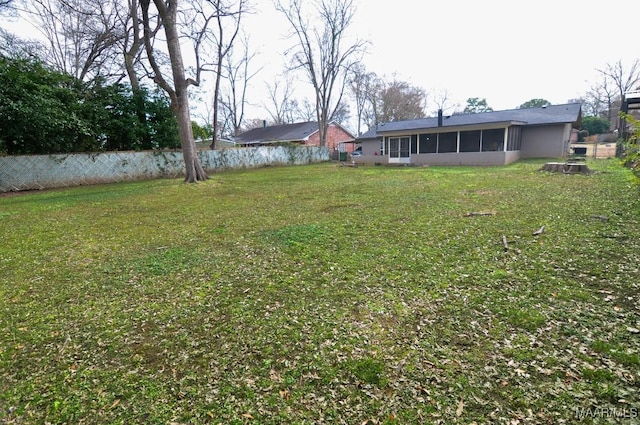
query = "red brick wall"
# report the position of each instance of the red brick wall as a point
(335, 135)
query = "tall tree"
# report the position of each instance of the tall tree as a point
(476, 105)
(82, 35)
(535, 103)
(600, 99)
(282, 106)
(226, 16)
(132, 44)
(233, 97)
(6, 6)
(322, 52)
(358, 83)
(177, 85)
(400, 100)
(365, 89)
(442, 101)
(595, 125)
(12, 46)
(623, 79)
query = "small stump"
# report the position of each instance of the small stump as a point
(566, 168)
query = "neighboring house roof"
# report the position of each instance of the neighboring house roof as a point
(554, 114)
(279, 133)
(282, 133)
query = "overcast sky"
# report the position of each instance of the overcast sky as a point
(503, 50)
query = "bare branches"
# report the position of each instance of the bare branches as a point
(615, 83)
(322, 52)
(233, 99)
(623, 80)
(83, 35)
(158, 76)
(282, 105)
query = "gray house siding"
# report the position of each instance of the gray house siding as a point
(545, 141)
(488, 138)
(491, 154)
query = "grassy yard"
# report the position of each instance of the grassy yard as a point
(325, 294)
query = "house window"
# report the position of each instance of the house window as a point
(399, 147)
(493, 140)
(470, 141)
(414, 144)
(394, 147)
(428, 143)
(447, 142)
(382, 146)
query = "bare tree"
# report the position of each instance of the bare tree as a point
(7, 7)
(321, 51)
(216, 24)
(177, 84)
(622, 79)
(12, 45)
(283, 108)
(362, 84)
(82, 35)
(599, 100)
(399, 100)
(307, 111)
(132, 44)
(442, 102)
(616, 82)
(233, 97)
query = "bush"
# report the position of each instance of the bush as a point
(45, 112)
(630, 149)
(595, 125)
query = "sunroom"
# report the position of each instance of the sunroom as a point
(490, 138)
(478, 146)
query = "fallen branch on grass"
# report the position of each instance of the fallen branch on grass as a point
(471, 214)
(539, 231)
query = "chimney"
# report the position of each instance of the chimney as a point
(264, 123)
(439, 117)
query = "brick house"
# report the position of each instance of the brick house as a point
(304, 133)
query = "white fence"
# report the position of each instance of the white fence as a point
(49, 171)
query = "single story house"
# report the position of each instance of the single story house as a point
(303, 133)
(487, 138)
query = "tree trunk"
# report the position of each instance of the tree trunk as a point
(180, 98)
(193, 169)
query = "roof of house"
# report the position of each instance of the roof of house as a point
(369, 134)
(553, 114)
(279, 133)
(282, 133)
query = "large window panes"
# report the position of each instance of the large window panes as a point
(394, 147)
(493, 140)
(399, 147)
(470, 141)
(428, 143)
(447, 142)
(404, 147)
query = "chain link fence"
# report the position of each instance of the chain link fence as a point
(49, 171)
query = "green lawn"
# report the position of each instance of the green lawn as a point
(325, 294)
